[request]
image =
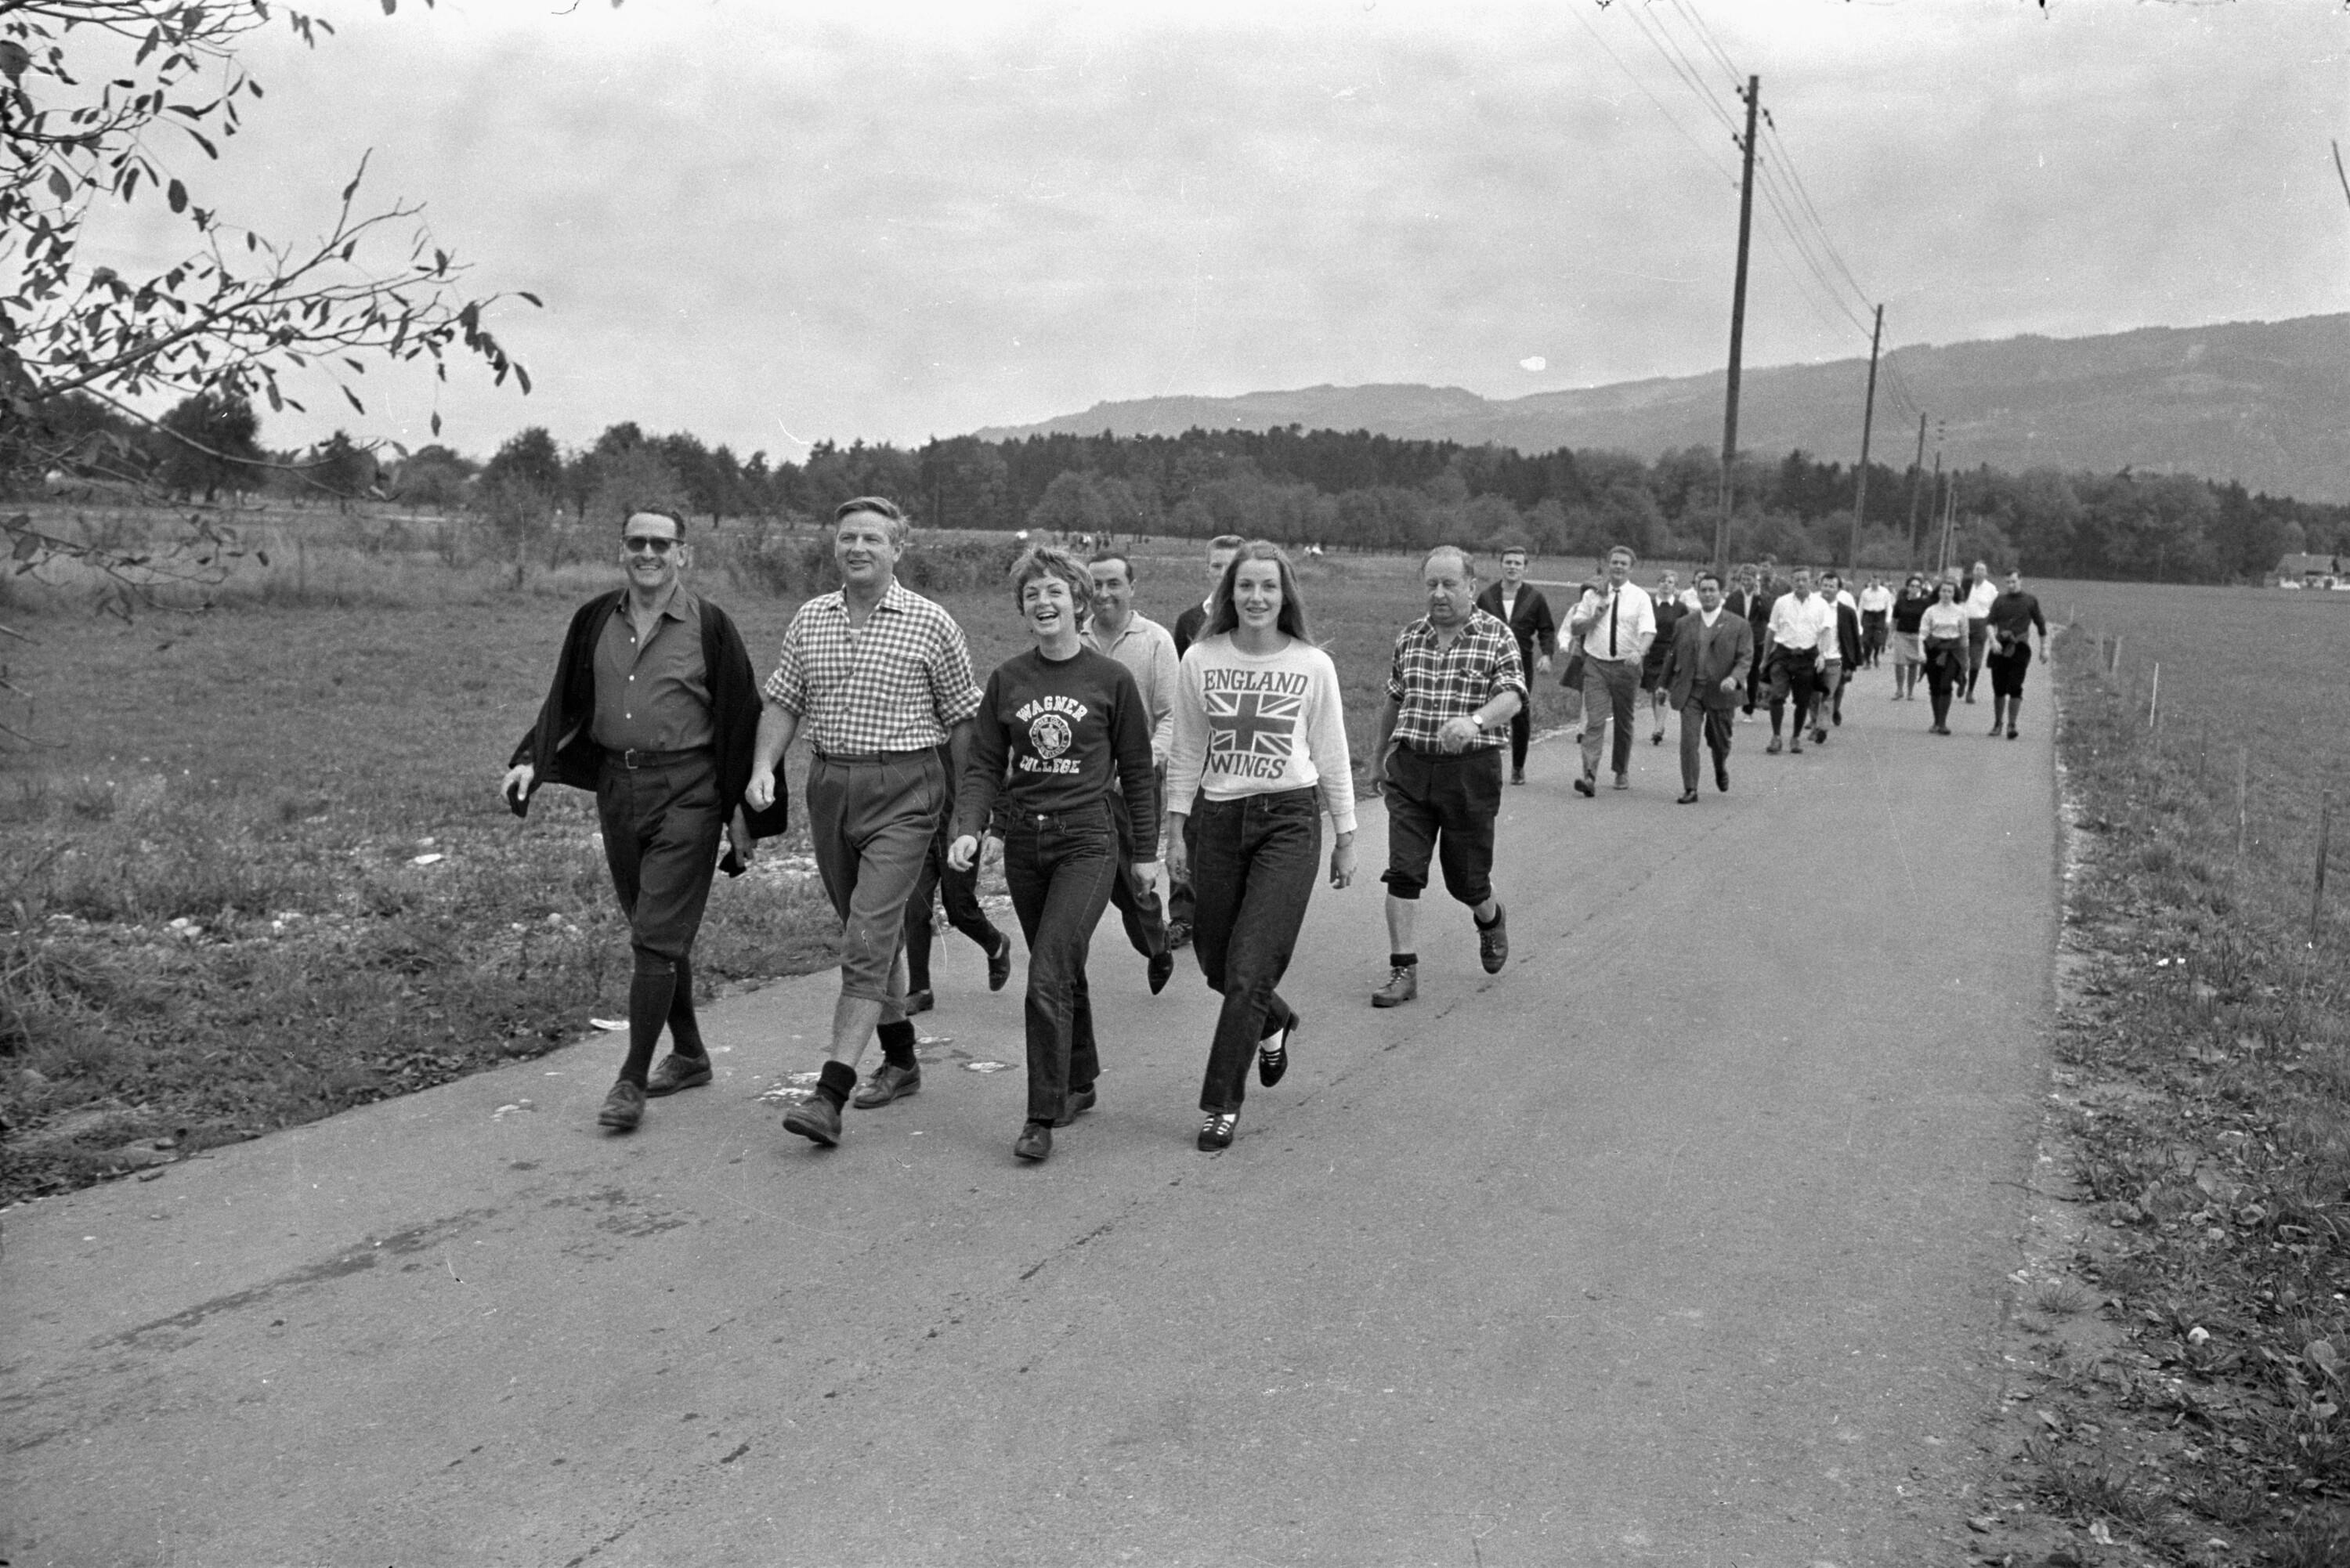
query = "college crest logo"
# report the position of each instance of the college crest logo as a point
(1048, 735)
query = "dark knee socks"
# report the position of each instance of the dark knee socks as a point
(651, 991)
(897, 1043)
(684, 1028)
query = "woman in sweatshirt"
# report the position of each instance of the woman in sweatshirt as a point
(1063, 738)
(1261, 739)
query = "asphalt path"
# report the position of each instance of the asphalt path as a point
(1683, 1241)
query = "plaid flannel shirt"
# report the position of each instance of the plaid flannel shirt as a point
(898, 684)
(1433, 685)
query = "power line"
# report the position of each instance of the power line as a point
(1712, 162)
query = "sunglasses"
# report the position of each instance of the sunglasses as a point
(638, 541)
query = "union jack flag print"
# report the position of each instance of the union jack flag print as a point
(1251, 733)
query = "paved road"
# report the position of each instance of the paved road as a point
(1680, 1242)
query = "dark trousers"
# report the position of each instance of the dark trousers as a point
(871, 824)
(1793, 674)
(662, 829)
(1522, 731)
(1711, 725)
(1059, 870)
(2007, 671)
(1138, 908)
(1946, 668)
(1181, 904)
(1872, 638)
(1442, 806)
(1610, 688)
(958, 892)
(1252, 873)
(1977, 643)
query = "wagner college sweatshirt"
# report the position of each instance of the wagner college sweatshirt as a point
(1246, 724)
(1073, 731)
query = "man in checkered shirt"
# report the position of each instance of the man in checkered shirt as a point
(877, 678)
(1455, 681)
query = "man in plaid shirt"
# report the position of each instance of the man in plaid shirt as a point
(877, 678)
(1454, 683)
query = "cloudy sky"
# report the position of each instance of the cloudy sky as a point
(771, 222)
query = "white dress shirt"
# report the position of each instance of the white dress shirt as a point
(1979, 599)
(1617, 627)
(1809, 622)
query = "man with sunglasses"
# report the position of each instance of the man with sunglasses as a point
(655, 710)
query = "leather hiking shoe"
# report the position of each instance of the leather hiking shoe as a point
(624, 1107)
(814, 1118)
(889, 1082)
(1517, 776)
(677, 1071)
(1494, 941)
(1775, 747)
(1623, 780)
(1273, 1060)
(1403, 984)
(1079, 1103)
(1687, 797)
(1036, 1142)
(1161, 969)
(1216, 1131)
(999, 962)
(1178, 935)
(1583, 785)
(1721, 777)
(921, 1000)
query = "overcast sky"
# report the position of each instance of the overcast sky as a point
(769, 223)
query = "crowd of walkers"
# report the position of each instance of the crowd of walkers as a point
(1224, 740)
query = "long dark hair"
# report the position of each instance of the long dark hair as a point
(1223, 618)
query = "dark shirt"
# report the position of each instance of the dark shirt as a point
(1529, 620)
(654, 697)
(2012, 616)
(1187, 627)
(1073, 731)
(1668, 615)
(1908, 610)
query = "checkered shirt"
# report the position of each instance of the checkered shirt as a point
(1434, 685)
(897, 685)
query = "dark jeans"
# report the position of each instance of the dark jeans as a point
(1610, 686)
(1059, 870)
(1946, 666)
(1710, 725)
(958, 892)
(1252, 872)
(1522, 731)
(1138, 910)
(1181, 904)
(1442, 804)
(1873, 630)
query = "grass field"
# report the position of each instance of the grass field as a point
(219, 916)
(2190, 1395)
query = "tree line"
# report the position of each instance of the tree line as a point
(1343, 489)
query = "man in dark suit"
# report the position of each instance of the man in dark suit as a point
(1527, 613)
(1758, 589)
(1711, 652)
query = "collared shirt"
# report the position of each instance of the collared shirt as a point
(1876, 600)
(1619, 626)
(1148, 652)
(1808, 623)
(1941, 620)
(1433, 685)
(899, 683)
(1979, 599)
(1710, 619)
(653, 696)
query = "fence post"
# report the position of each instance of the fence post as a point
(2114, 669)
(2154, 699)
(2244, 801)
(2325, 835)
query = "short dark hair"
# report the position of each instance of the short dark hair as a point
(676, 518)
(1513, 547)
(1226, 542)
(1706, 574)
(1121, 556)
(1624, 550)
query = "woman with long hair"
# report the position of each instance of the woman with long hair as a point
(1943, 627)
(1261, 742)
(1060, 729)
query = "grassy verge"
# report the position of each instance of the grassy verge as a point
(215, 913)
(2183, 1372)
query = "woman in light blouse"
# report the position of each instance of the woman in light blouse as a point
(1944, 629)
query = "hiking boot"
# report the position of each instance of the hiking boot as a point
(678, 1071)
(1494, 941)
(814, 1118)
(889, 1082)
(1403, 984)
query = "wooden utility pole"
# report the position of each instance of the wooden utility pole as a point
(1867, 415)
(1737, 330)
(1938, 477)
(1917, 472)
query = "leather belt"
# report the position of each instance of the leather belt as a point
(869, 759)
(633, 759)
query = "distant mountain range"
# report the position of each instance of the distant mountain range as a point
(2265, 403)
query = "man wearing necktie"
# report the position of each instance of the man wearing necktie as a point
(1616, 621)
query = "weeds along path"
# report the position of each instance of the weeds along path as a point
(1682, 1239)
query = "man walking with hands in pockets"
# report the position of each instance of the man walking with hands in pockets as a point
(1704, 672)
(1616, 624)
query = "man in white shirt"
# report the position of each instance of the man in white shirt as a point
(1801, 629)
(1614, 622)
(1979, 594)
(1875, 619)
(1144, 646)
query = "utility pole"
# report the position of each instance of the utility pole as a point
(1917, 472)
(1938, 476)
(1737, 328)
(1867, 415)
